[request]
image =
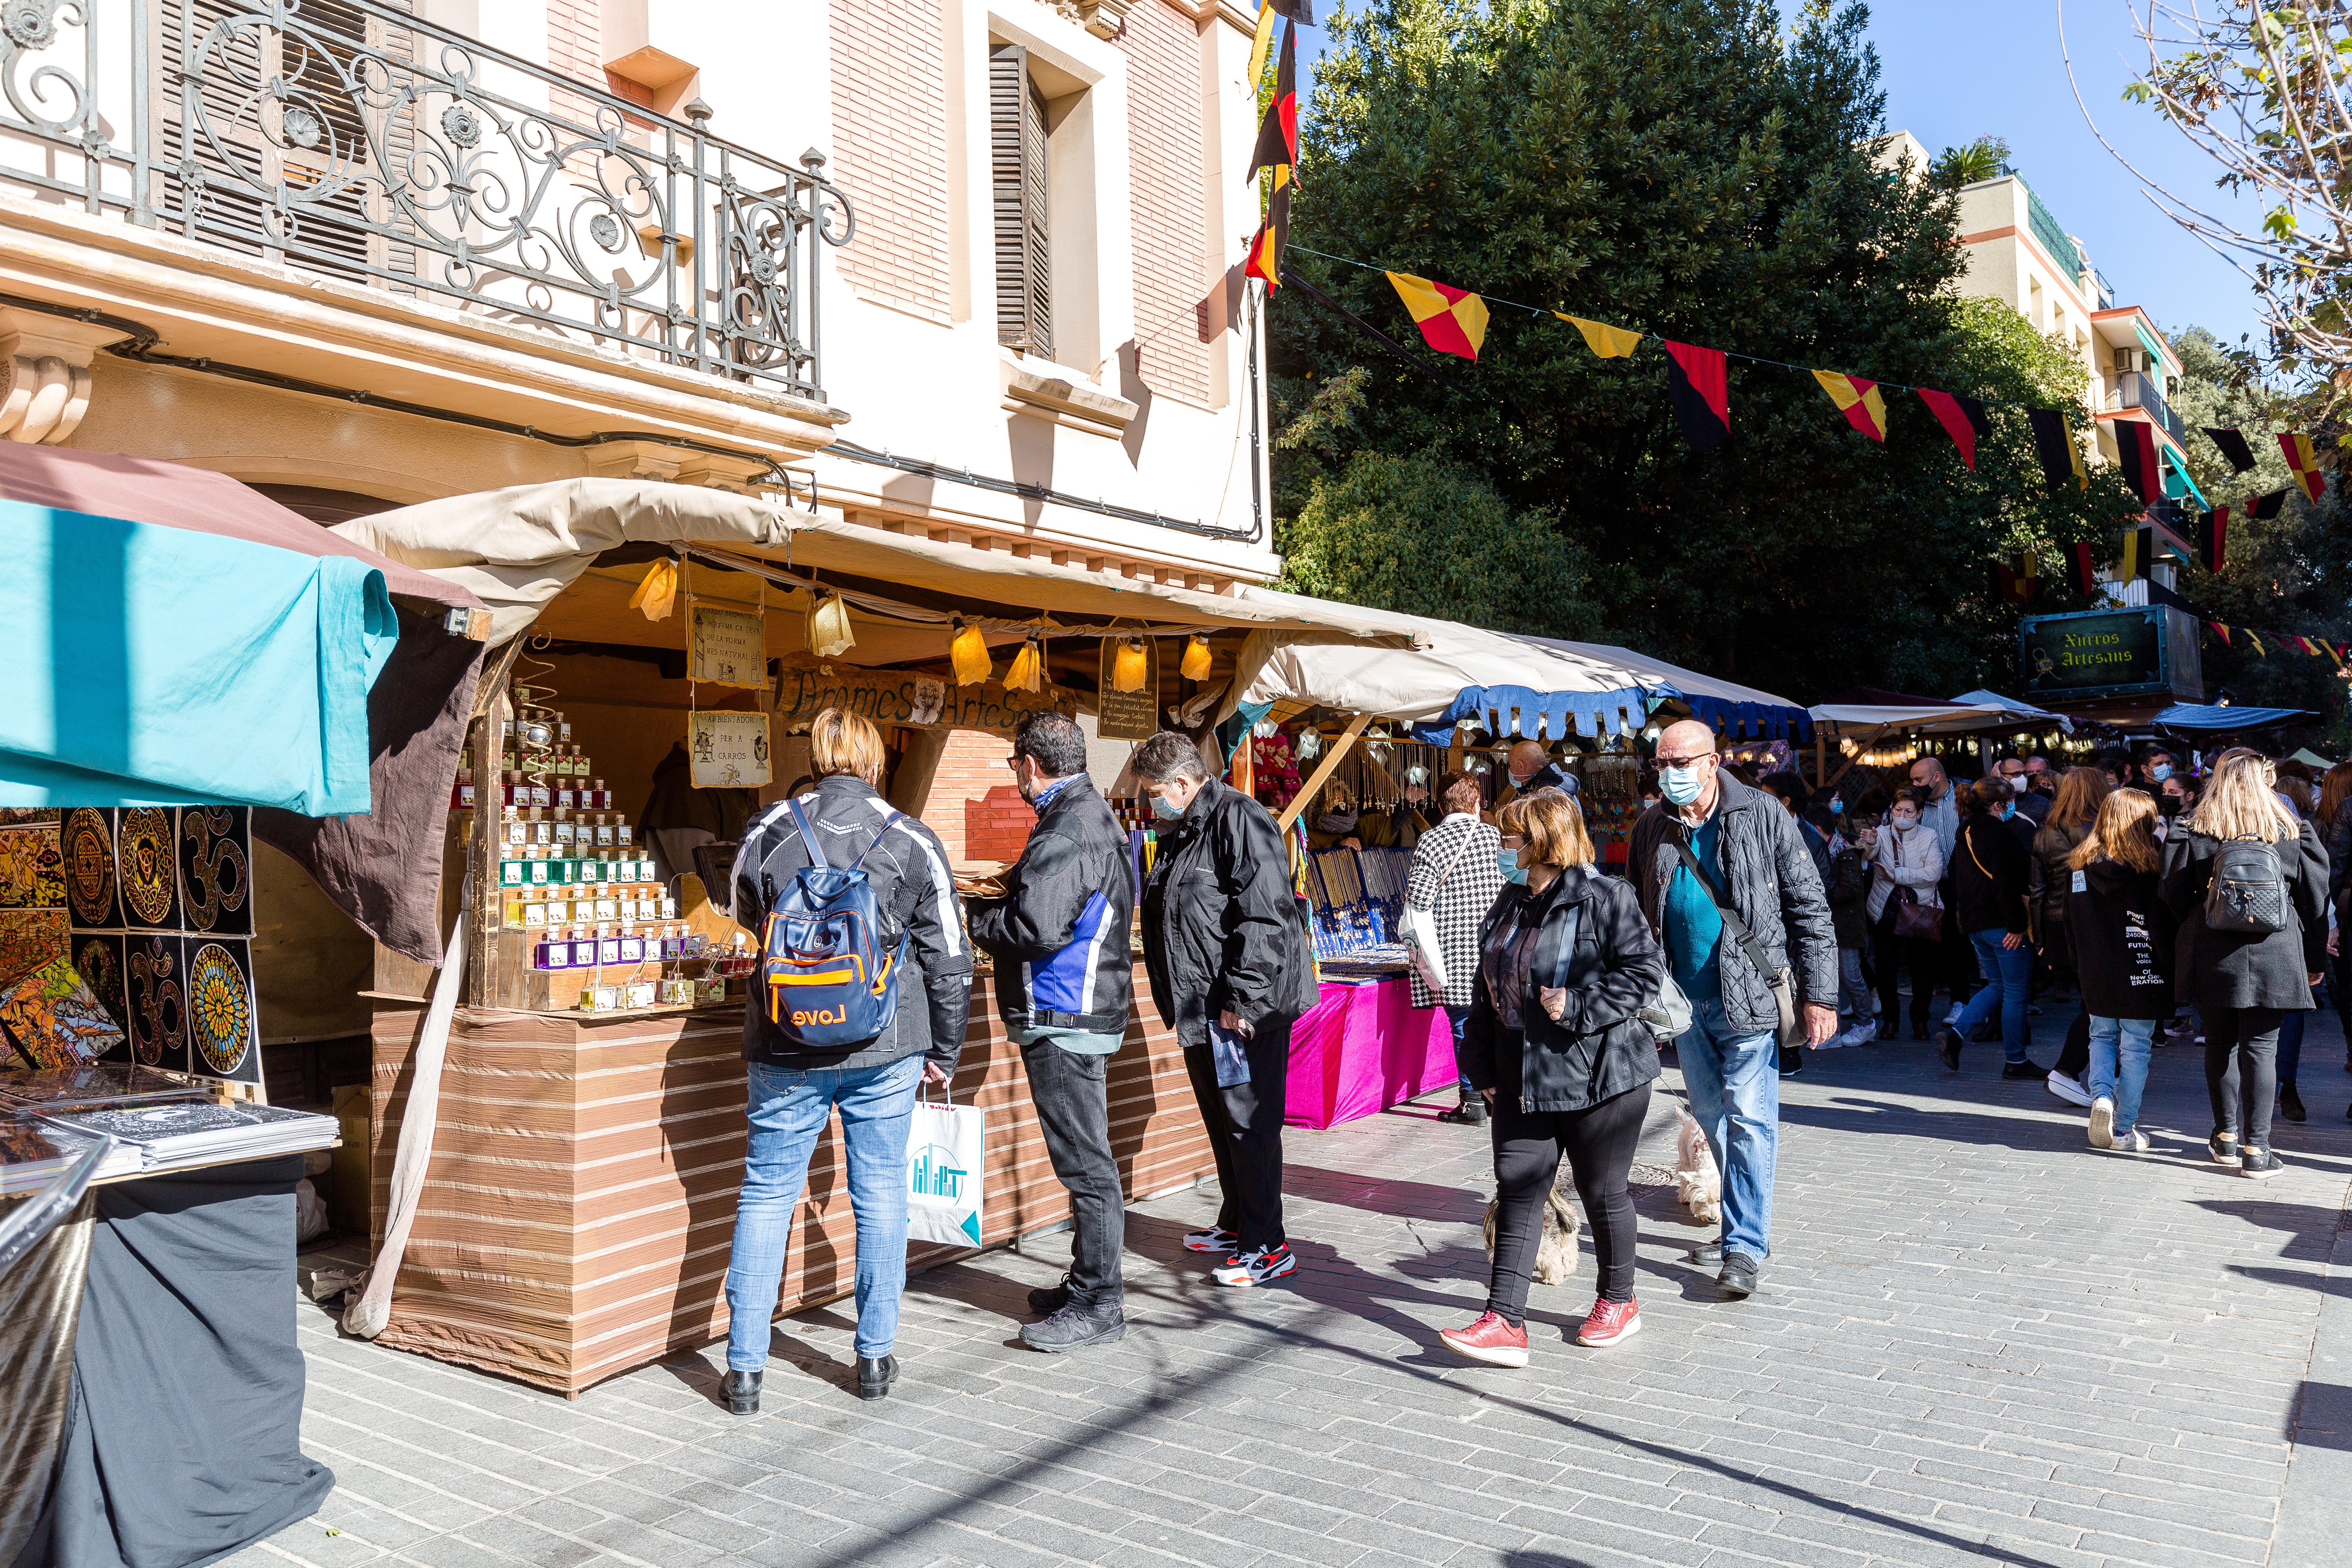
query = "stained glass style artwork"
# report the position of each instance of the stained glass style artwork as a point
(156, 989)
(53, 1021)
(98, 959)
(89, 846)
(32, 871)
(220, 1008)
(216, 869)
(148, 867)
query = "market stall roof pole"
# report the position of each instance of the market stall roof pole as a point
(1848, 765)
(1338, 749)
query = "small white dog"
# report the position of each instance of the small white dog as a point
(1698, 1184)
(1556, 1253)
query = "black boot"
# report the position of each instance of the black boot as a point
(743, 1391)
(2290, 1102)
(1052, 1298)
(1471, 1112)
(875, 1377)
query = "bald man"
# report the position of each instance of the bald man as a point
(1730, 887)
(1527, 769)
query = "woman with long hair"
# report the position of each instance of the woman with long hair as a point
(1906, 864)
(2048, 879)
(1989, 897)
(2121, 937)
(2249, 882)
(2333, 820)
(1557, 1048)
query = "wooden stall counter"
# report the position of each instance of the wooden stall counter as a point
(580, 1197)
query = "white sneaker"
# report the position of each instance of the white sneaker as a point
(2103, 1122)
(1257, 1268)
(2132, 1142)
(2069, 1089)
(1953, 1017)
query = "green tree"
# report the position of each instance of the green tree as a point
(1678, 167)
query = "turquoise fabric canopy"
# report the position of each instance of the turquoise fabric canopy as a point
(143, 664)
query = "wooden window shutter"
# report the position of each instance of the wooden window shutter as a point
(1025, 272)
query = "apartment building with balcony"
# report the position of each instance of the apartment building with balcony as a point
(2018, 253)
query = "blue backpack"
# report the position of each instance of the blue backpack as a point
(829, 982)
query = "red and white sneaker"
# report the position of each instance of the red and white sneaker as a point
(1610, 1322)
(1212, 1240)
(1260, 1267)
(1489, 1341)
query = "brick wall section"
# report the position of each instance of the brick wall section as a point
(975, 809)
(890, 152)
(575, 47)
(1165, 149)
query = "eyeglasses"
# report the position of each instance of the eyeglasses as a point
(1013, 761)
(1681, 762)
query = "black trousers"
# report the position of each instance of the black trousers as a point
(2339, 990)
(1073, 1113)
(1959, 954)
(2074, 1057)
(2242, 1070)
(1244, 1126)
(1599, 1143)
(1898, 952)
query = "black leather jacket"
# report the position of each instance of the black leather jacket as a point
(1059, 934)
(1220, 926)
(1598, 1048)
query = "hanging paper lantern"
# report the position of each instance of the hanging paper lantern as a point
(657, 591)
(1195, 665)
(1127, 671)
(1308, 743)
(1028, 671)
(828, 628)
(969, 653)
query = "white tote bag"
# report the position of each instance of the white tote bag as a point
(944, 1173)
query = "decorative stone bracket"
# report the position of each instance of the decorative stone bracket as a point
(1103, 18)
(681, 465)
(44, 374)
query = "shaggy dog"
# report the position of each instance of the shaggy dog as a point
(1556, 1253)
(1697, 1183)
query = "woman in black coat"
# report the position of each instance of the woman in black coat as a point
(1988, 868)
(1554, 1045)
(2244, 982)
(2121, 936)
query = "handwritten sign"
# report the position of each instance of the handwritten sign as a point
(727, 750)
(1129, 715)
(726, 648)
(917, 701)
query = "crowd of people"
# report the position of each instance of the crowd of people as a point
(1753, 922)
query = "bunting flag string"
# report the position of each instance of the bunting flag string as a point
(2221, 631)
(1963, 418)
(2302, 460)
(2234, 447)
(1698, 381)
(2136, 445)
(2086, 571)
(2053, 442)
(1859, 401)
(2212, 538)
(2139, 552)
(1277, 134)
(1452, 320)
(2336, 653)
(2267, 507)
(1277, 143)
(1605, 342)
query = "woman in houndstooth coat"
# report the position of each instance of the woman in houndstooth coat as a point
(1456, 877)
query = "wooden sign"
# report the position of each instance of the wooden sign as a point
(919, 701)
(727, 750)
(1127, 715)
(726, 648)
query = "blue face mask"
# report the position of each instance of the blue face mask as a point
(1507, 862)
(1680, 785)
(1836, 808)
(2161, 771)
(1166, 810)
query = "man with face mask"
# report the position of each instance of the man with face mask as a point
(1064, 982)
(2029, 805)
(1529, 769)
(1749, 860)
(1231, 972)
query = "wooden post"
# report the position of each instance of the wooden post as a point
(1332, 756)
(1821, 760)
(491, 710)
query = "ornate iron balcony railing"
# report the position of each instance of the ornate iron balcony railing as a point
(350, 138)
(2138, 389)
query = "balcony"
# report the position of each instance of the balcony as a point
(2138, 389)
(349, 139)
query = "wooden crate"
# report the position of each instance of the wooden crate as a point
(581, 1199)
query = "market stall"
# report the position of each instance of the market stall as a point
(195, 668)
(1868, 729)
(558, 1115)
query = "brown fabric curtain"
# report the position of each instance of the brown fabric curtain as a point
(40, 1307)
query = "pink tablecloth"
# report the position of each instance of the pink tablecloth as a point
(1363, 1047)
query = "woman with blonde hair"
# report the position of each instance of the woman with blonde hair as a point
(2249, 883)
(2048, 880)
(2122, 936)
(1556, 1045)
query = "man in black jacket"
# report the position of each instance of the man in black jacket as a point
(793, 1090)
(1229, 972)
(1063, 984)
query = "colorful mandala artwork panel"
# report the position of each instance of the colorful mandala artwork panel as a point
(53, 1021)
(216, 869)
(220, 1009)
(147, 866)
(89, 845)
(157, 992)
(99, 962)
(32, 868)
(29, 939)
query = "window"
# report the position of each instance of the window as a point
(2034, 302)
(1024, 273)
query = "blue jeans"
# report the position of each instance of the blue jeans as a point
(788, 1112)
(1460, 1017)
(2009, 974)
(2119, 1053)
(1735, 1095)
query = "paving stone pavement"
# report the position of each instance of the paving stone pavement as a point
(1977, 1339)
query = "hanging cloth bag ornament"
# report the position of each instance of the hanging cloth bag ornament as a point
(657, 591)
(1028, 671)
(1128, 671)
(1196, 662)
(829, 633)
(969, 653)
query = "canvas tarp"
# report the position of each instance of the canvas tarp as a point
(1925, 718)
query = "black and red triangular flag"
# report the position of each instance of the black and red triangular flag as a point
(1962, 417)
(2136, 439)
(2087, 570)
(2212, 538)
(2234, 447)
(1698, 380)
(2267, 507)
(1277, 134)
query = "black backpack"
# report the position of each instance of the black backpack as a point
(2249, 890)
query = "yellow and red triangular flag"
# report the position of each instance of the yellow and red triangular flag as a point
(2302, 460)
(1452, 320)
(1264, 258)
(1858, 400)
(1607, 342)
(2256, 641)
(2221, 631)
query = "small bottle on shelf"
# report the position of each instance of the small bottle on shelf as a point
(562, 727)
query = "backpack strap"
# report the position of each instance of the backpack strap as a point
(888, 822)
(808, 835)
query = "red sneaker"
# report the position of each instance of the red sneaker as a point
(1611, 1323)
(1489, 1340)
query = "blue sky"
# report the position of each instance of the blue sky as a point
(1956, 69)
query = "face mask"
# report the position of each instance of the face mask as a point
(1836, 807)
(1904, 823)
(2161, 771)
(1680, 785)
(1507, 862)
(2008, 810)
(1166, 810)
